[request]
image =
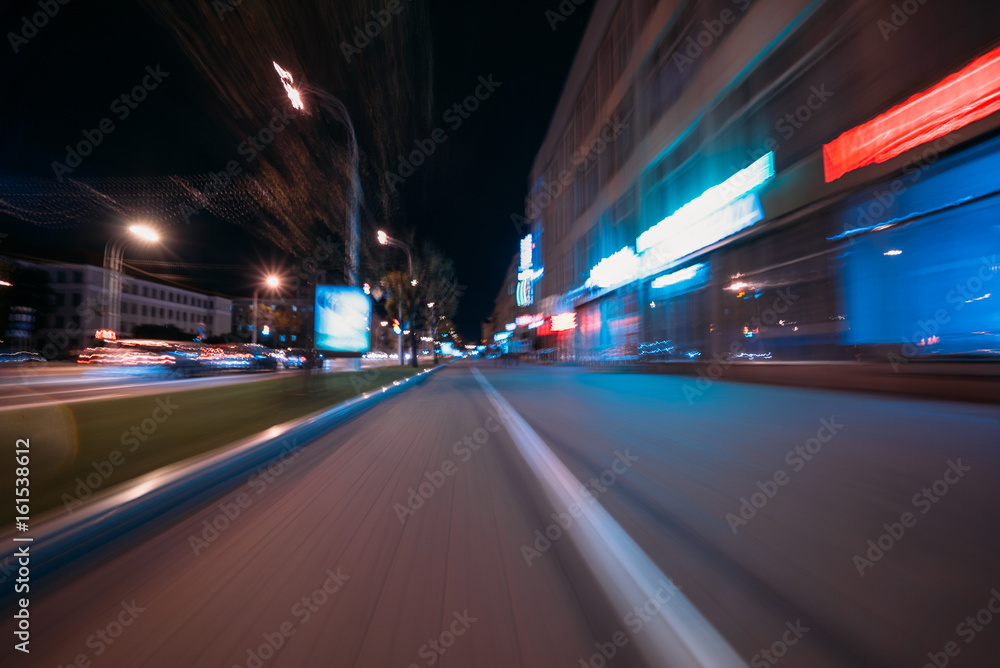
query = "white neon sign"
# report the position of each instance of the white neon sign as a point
(620, 267)
(526, 245)
(725, 222)
(679, 276)
(681, 221)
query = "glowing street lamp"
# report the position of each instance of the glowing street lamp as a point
(6, 284)
(386, 240)
(114, 253)
(287, 81)
(271, 282)
(144, 232)
(340, 114)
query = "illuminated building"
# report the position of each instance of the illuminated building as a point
(697, 146)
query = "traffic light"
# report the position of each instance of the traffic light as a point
(395, 326)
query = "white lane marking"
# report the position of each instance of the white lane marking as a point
(678, 635)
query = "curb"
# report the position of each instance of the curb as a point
(59, 541)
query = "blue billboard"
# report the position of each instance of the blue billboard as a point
(343, 319)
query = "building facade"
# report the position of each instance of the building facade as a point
(695, 193)
(79, 302)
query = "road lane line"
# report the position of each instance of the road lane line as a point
(678, 634)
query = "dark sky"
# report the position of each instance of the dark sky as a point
(63, 80)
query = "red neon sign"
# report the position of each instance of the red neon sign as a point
(968, 95)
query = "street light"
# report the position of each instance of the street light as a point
(386, 240)
(339, 112)
(114, 253)
(6, 284)
(271, 282)
(144, 232)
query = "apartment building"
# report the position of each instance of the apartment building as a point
(79, 303)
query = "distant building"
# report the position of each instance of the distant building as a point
(79, 304)
(293, 329)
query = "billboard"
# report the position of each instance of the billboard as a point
(343, 319)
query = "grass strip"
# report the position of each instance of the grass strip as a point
(82, 448)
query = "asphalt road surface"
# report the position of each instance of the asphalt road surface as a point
(546, 517)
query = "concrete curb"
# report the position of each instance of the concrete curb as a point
(60, 540)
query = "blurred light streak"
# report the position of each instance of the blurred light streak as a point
(712, 200)
(966, 96)
(562, 322)
(617, 268)
(286, 81)
(679, 276)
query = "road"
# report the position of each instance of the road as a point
(34, 386)
(334, 559)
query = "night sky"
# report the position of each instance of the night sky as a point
(64, 79)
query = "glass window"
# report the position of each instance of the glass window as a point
(61, 277)
(60, 299)
(78, 277)
(76, 299)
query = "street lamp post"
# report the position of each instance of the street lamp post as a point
(271, 283)
(340, 114)
(434, 330)
(386, 240)
(114, 253)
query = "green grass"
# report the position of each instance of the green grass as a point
(71, 442)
